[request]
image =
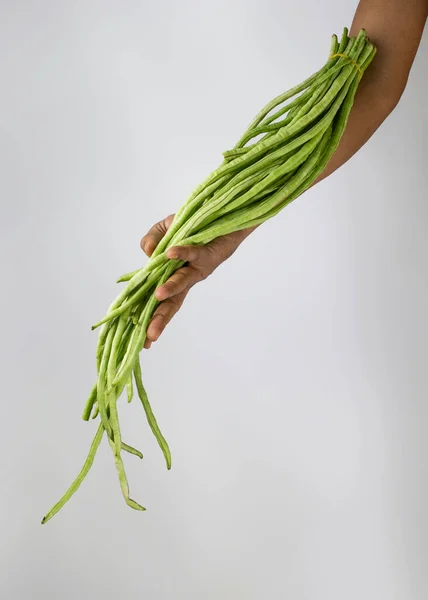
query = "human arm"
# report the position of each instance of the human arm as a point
(395, 27)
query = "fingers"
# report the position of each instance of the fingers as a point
(186, 253)
(172, 293)
(155, 234)
(181, 280)
(163, 315)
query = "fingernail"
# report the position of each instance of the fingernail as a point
(172, 254)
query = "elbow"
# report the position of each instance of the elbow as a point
(393, 102)
(391, 97)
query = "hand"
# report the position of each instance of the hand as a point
(201, 261)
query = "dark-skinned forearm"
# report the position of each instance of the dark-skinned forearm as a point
(395, 27)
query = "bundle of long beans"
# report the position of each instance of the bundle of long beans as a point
(283, 151)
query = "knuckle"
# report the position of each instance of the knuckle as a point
(211, 251)
(169, 219)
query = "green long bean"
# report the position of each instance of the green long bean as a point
(281, 154)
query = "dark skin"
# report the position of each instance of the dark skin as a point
(395, 27)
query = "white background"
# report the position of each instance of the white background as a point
(291, 387)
